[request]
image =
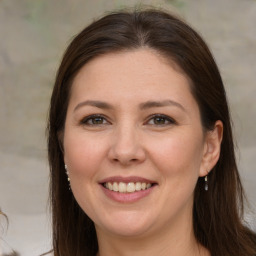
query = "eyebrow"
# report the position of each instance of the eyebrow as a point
(164, 103)
(94, 103)
(142, 106)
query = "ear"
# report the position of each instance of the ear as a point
(212, 148)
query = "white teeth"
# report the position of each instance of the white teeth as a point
(138, 186)
(130, 187)
(110, 186)
(115, 186)
(127, 187)
(122, 187)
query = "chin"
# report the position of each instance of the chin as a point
(129, 224)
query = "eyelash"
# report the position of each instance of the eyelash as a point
(89, 120)
(163, 117)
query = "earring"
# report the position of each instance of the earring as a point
(206, 183)
(66, 168)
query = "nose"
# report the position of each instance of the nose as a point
(126, 146)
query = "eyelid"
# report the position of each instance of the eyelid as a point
(168, 118)
(85, 119)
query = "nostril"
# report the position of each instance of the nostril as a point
(125, 161)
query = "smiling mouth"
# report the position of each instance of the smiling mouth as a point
(129, 187)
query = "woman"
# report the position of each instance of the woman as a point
(140, 144)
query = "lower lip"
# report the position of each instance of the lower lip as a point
(127, 197)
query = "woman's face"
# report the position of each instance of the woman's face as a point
(134, 144)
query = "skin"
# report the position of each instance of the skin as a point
(126, 140)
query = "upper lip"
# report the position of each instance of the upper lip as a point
(127, 179)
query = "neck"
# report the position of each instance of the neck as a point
(175, 240)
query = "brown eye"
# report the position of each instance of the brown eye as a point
(97, 120)
(160, 120)
(94, 120)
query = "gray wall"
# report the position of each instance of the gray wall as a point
(33, 36)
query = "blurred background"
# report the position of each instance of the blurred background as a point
(33, 36)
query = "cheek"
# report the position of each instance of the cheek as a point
(178, 159)
(82, 155)
(179, 155)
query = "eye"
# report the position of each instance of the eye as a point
(94, 120)
(160, 120)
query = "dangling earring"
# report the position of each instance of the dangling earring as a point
(206, 183)
(66, 168)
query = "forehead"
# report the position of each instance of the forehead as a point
(141, 73)
(125, 60)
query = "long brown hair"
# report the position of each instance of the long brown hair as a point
(217, 213)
